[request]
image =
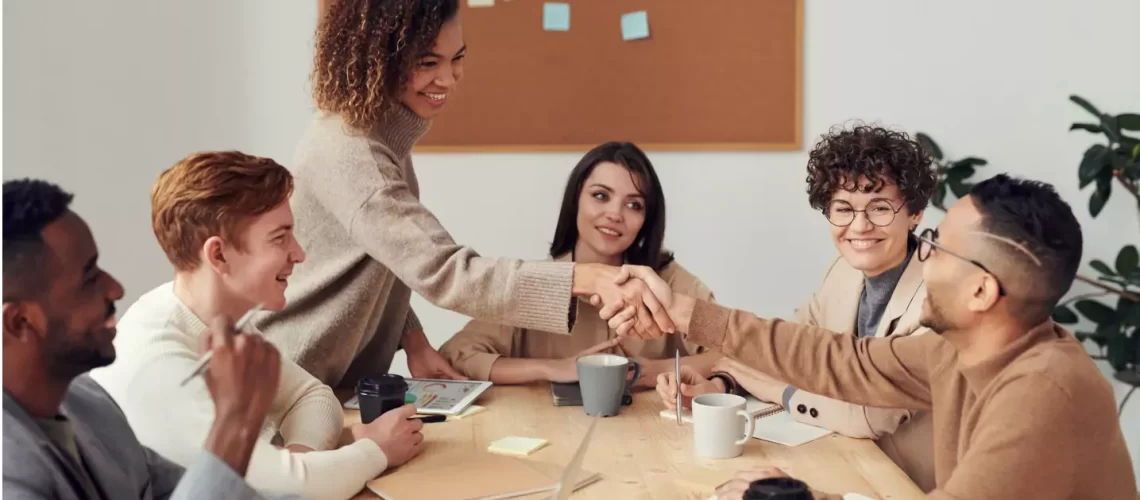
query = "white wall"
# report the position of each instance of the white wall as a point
(101, 96)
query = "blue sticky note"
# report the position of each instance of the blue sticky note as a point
(556, 16)
(635, 25)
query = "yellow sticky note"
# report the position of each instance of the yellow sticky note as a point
(518, 446)
(471, 410)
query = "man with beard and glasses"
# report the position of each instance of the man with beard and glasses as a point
(64, 438)
(1019, 408)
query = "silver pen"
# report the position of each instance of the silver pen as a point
(238, 327)
(677, 368)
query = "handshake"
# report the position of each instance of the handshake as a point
(634, 301)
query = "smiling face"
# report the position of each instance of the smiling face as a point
(437, 72)
(611, 212)
(79, 316)
(259, 271)
(866, 246)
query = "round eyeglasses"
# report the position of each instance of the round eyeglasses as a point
(878, 212)
(928, 241)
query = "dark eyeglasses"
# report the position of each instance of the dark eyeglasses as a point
(879, 212)
(927, 243)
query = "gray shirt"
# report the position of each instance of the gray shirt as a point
(877, 291)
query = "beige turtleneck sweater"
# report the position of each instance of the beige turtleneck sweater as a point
(370, 242)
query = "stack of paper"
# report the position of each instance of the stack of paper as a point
(783, 429)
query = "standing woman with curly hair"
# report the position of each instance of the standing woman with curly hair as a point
(383, 69)
(872, 186)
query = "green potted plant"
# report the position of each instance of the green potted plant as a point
(1114, 161)
(953, 174)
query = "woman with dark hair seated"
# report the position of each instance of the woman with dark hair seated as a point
(613, 213)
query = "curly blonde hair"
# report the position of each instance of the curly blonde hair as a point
(366, 50)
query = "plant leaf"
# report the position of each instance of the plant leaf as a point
(1128, 260)
(939, 196)
(1133, 316)
(1101, 267)
(959, 187)
(1127, 312)
(1097, 201)
(1094, 161)
(1089, 127)
(1085, 104)
(929, 145)
(1121, 351)
(1111, 127)
(960, 172)
(1096, 312)
(1128, 121)
(972, 161)
(1064, 315)
(1099, 339)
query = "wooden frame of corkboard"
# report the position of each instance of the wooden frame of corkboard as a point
(739, 64)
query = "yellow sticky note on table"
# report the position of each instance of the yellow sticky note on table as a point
(480, 3)
(517, 446)
(470, 410)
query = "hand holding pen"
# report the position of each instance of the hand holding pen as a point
(237, 329)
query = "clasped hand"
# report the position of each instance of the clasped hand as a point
(636, 304)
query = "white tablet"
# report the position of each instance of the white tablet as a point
(439, 397)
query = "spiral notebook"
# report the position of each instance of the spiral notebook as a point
(772, 423)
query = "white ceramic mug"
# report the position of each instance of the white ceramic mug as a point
(716, 425)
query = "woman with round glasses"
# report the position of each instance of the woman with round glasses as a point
(872, 185)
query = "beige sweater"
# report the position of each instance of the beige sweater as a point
(1036, 421)
(158, 344)
(370, 243)
(476, 348)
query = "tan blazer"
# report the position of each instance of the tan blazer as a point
(905, 436)
(479, 344)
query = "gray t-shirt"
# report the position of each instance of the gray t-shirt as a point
(60, 432)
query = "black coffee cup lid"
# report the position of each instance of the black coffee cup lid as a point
(778, 488)
(387, 382)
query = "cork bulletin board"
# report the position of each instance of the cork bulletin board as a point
(711, 75)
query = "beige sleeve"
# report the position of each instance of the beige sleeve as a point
(369, 196)
(848, 419)
(477, 346)
(888, 372)
(312, 414)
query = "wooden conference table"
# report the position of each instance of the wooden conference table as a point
(644, 456)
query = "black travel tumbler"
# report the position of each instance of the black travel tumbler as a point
(378, 394)
(778, 488)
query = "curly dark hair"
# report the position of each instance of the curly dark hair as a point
(367, 49)
(881, 156)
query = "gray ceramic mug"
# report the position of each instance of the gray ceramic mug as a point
(602, 378)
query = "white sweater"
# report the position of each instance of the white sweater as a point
(157, 346)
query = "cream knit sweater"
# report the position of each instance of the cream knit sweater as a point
(370, 243)
(157, 345)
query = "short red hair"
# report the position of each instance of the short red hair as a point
(213, 193)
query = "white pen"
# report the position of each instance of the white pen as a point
(238, 327)
(677, 379)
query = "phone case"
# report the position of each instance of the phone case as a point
(570, 394)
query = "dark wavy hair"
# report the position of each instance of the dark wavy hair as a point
(30, 205)
(881, 156)
(647, 249)
(367, 49)
(1032, 214)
